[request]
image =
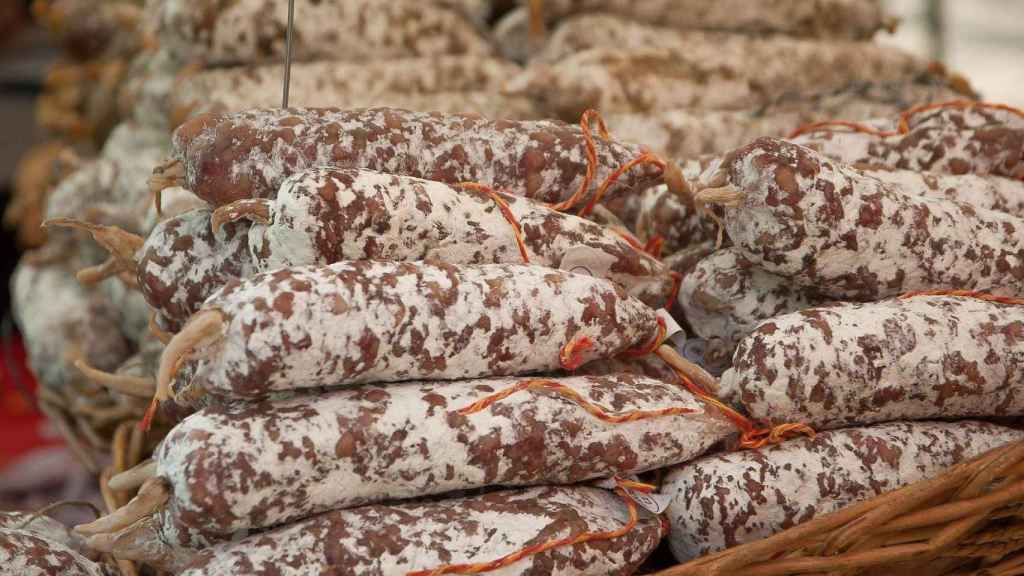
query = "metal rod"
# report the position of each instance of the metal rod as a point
(288, 53)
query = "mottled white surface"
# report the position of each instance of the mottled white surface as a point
(724, 500)
(916, 358)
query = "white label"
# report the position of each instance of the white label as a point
(587, 260)
(672, 327)
(653, 502)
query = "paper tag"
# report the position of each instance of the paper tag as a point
(653, 502)
(586, 260)
(672, 327)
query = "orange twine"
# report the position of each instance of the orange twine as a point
(571, 355)
(591, 151)
(854, 126)
(581, 538)
(645, 158)
(677, 283)
(567, 392)
(628, 237)
(751, 436)
(966, 294)
(903, 126)
(147, 421)
(506, 211)
(654, 246)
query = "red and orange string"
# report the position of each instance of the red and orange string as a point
(571, 394)
(571, 355)
(1009, 300)
(506, 211)
(645, 158)
(591, 152)
(654, 246)
(571, 540)
(752, 437)
(903, 125)
(642, 351)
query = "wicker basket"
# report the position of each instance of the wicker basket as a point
(969, 520)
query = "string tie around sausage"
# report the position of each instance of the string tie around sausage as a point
(985, 296)
(654, 344)
(621, 489)
(571, 354)
(543, 384)
(644, 158)
(590, 149)
(506, 211)
(654, 246)
(903, 122)
(752, 435)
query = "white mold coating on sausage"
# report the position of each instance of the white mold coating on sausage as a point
(327, 215)
(724, 500)
(849, 236)
(396, 539)
(916, 358)
(241, 467)
(357, 322)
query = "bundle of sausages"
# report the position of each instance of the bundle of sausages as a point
(442, 334)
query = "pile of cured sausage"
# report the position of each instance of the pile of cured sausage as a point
(409, 326)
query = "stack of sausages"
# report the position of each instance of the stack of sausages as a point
(703, 77)
(378, 361)
(868, 274)
(440, 335)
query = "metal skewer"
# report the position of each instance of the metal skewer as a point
(288, 53)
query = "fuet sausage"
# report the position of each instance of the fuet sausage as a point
(229, 157)
(724, 297)
(911, 358)
(685, 132)
(356, 322)
(184, 260)
(850, 236)
(239, 467)
(959, 138)
(831, 19)
(339, 84)
(253, 31)
(727, 499)
(30, 554)
(615, 65)
(422, 536)
(329, 215)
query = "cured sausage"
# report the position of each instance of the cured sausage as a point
(910, 358)
(329, 215)
(184, 260)
(849, 236)
(960, 138)
(252, 31)
(239, 467)
(831, 19)
(728, 499)
(340, 84)
(223, 158)
(685, 133)
(418, 537)
(614, 65)
(62, 320)
(724, 297)
(30, 554)
(356, 322)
